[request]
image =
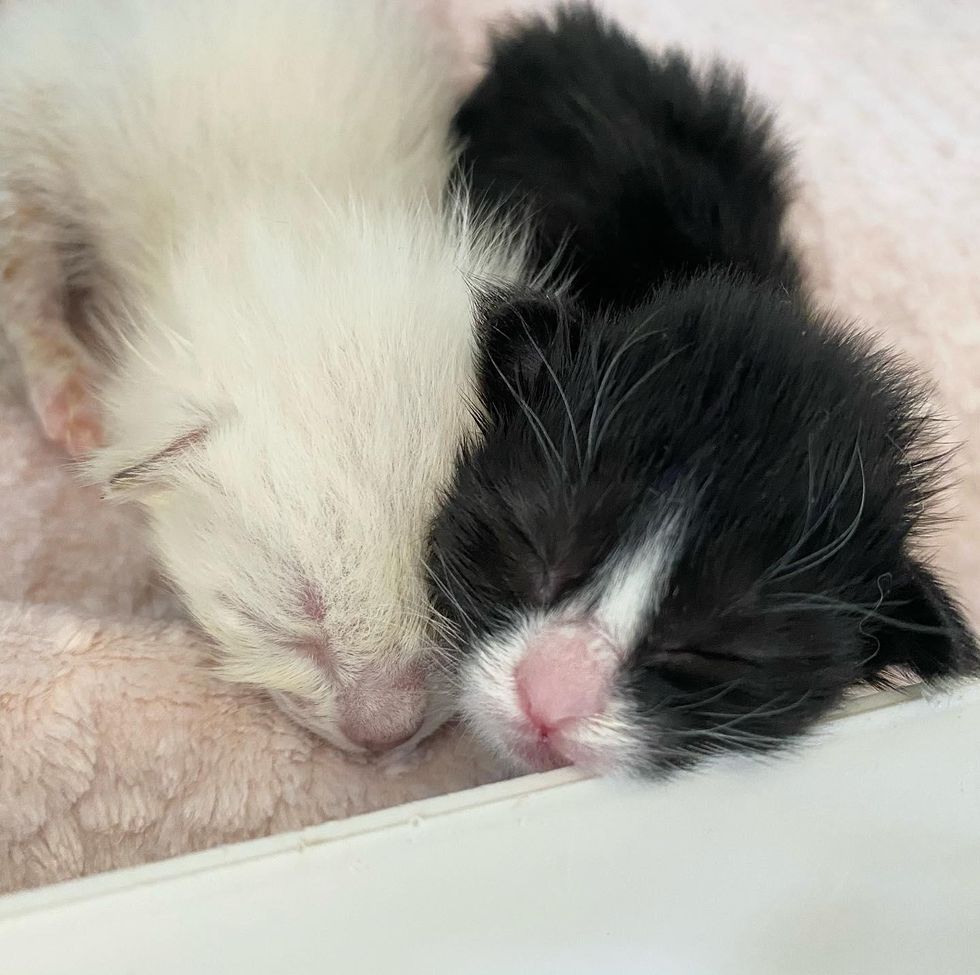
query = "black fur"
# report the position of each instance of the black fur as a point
(640, 170)
(802, 461)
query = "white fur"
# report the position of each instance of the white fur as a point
(252, 188)
(626, 590)
(634, 583)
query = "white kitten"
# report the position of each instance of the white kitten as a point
(249, 194)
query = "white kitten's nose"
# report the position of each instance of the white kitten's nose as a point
(383, 710)
(379, 735)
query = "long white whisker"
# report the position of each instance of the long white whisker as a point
(561, 393)
(542, 434)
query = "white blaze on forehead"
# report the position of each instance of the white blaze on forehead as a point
(635, 581)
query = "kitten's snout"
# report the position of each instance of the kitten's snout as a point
(383, 710)
(380, 735)
(565, 676)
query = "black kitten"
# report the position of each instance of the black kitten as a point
(688, 525)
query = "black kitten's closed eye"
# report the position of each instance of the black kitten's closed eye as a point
(695, 660)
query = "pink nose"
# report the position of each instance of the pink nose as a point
(379, 735)
(383, 711)
(565, 676)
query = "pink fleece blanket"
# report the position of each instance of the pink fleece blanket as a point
(116, 745)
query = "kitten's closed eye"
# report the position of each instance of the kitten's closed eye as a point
(694, 659)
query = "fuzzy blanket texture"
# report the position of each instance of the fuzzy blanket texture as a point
(117, 747)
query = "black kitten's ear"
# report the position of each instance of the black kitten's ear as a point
(928, 634)
(517, 346)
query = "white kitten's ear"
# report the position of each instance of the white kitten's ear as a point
(148, 478)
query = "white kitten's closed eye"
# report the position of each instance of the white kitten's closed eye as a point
(148, 478)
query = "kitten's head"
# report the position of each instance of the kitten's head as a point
(689, 528)
(288, 412)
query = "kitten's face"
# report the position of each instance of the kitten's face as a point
(305, 593)
(684, 532)
(349, 657)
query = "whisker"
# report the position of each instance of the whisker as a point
(639, 382)
(714, 695)
(450, 598)
(828, 551)
(542, 434)
(862, 610)
(786, 562)
(610, 369)
(762, 711)
(454, 601)
(561, 393)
